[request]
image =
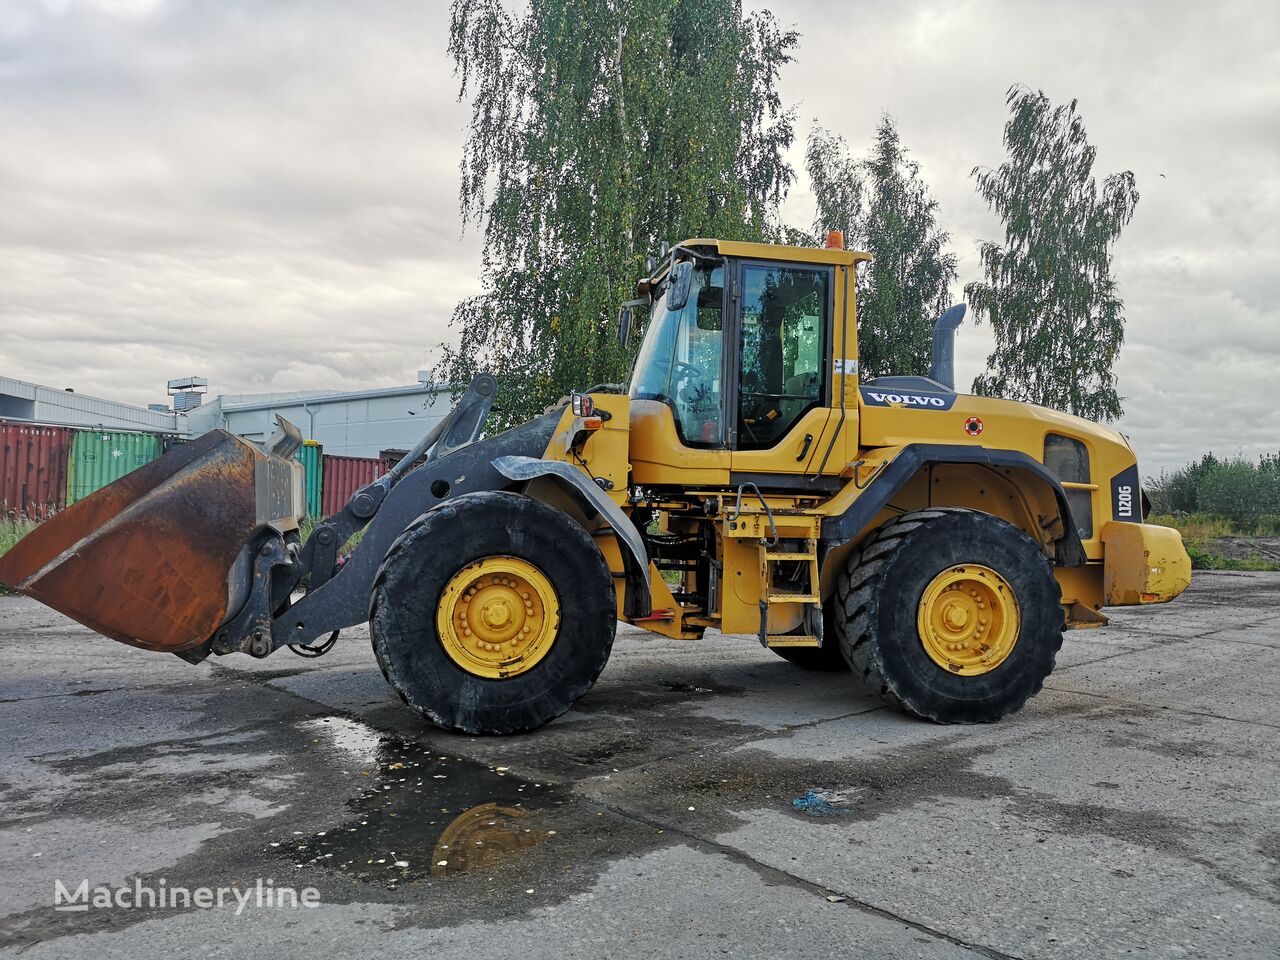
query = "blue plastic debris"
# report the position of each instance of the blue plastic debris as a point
(820, 803)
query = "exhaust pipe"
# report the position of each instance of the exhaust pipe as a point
(944, 346)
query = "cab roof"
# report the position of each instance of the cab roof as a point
(777, 251)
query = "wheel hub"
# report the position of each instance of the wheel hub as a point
(968, 619)
(498, 617)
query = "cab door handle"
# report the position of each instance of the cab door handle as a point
(808, 439)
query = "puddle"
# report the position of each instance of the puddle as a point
(423, 813)
(357, 740)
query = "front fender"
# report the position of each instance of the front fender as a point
(635, 559)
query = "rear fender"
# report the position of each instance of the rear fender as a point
(856, 519)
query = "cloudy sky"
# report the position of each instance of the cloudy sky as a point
(264, 192)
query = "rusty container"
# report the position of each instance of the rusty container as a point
(343, 476)
(33, 469)
(100, 457)
(389, 458)
(160, 558)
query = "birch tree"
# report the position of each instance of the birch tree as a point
(599, 129)
(1048, 290)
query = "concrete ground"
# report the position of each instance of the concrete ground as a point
(1132, 808)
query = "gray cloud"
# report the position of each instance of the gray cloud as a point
(266, 193)
(1179, 89)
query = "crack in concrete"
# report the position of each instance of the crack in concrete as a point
(785, 877)
(1155, 706)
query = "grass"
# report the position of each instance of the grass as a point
(1204, 557)
(1201, 531)
(1205, 526)
(11, 531)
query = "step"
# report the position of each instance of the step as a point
(793, 598)
(792, 640)
(791, 556)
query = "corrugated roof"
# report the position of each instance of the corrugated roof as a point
(264, 401)
(50, 405)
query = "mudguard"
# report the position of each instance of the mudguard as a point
(634, 556)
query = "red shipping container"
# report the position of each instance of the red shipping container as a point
(343, 476)
(33, 469)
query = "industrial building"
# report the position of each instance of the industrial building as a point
(32, 403)
(361, 423)
(58, 446)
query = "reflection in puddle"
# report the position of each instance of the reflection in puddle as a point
(483, 837)
(359, 740)
(422, 813)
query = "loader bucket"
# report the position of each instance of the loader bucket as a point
(151, 559)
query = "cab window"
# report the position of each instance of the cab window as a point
(782, 348)
(679, 361)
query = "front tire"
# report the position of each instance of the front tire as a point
(954, 615)
(492, 613)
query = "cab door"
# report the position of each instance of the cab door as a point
(679, 434)
(784, 431)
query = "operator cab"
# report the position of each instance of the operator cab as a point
(739, 349)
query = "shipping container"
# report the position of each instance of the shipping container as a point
(99, 457)
(343, 476)
(389, 458)
(310, 455)
(33, 469)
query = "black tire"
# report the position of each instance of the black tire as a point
(880, 591)
(828, 657)
(421, 563)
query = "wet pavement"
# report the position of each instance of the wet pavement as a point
(704, 799)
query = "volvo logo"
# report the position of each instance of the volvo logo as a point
(926, 401)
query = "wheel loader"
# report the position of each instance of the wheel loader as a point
(747, 480)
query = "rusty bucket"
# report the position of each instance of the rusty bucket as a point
(154, 559)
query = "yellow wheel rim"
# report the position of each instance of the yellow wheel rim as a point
(968, 619)
(498, 617)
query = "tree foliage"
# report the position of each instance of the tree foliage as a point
(598, 130)
(1048, 290)
(1238, 489)
(836, 181)
(883, 206)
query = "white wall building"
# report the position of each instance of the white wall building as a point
(20, 400)
(359, 423)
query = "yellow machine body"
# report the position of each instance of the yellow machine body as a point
(746, 476)
(828, 471)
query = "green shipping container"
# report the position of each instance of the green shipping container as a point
(99, 457)
(311, 456)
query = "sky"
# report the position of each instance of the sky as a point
(264, 192)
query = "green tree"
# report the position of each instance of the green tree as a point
(1048, 291)
(908, 283)
(836, 181)
(599, 130)
(884, 207)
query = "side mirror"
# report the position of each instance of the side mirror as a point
(679, 284)
(624, 325)
(626, 320)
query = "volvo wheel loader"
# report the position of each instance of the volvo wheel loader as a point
(746, 480)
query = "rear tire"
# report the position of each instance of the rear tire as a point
(454, 540)
(881, 602)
